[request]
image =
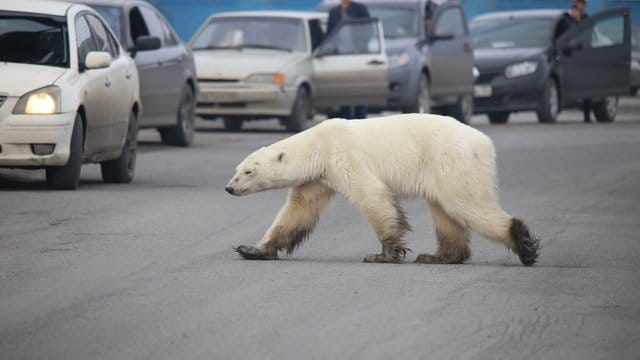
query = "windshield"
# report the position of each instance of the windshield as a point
(397, 22)
(511, 33)
(251, 32)
(112, 16)
(32, 39)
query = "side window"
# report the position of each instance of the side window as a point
(316, 33)
(84, 39)
(170, 38)
(352, 38)
(451, 22)
(153, 24)
(102, 37)
(137, 25)
(606, 32)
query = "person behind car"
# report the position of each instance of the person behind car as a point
(570, 19)
(348, 10)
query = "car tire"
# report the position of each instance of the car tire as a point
(498, 117)
(122, 169)
(606, 109)
(67, 177)
(182, 133)
(232, 123)
(549, 107)
(462, 110)
(299, 119)
(422, 101)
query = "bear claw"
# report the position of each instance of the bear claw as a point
(253, 253)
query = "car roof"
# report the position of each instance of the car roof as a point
(521, 14)
(112, 3)
(274, 13)
(57, 8)
(389, 2)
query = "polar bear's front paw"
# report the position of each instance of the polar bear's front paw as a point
(249, 252)
(380, 258)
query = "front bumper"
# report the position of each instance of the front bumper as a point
(517, 94)
(19, 133)
(243, 99)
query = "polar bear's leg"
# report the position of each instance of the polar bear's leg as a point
(494, 224)
(293, 224)
(453, 239)
(383, 212)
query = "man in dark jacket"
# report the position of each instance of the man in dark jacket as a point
(570, 19)
(348, 10)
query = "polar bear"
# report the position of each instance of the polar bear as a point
(374, 163)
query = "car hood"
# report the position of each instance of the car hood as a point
(234, 64)
(495, 60)
(18, 79)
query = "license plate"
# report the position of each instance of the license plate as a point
(219, 96)
(482, 91)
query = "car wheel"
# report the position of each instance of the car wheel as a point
(462, 110)
(606, 109)
(422, 102)
(67, 177)
(232, 123)
(299, 119)
(182, 133)
(549, 107)
(122, 169)
(498, 117)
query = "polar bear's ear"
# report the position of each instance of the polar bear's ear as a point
(280, 156)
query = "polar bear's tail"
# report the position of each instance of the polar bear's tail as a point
(526, 246)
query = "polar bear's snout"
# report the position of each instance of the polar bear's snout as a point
(229, 189)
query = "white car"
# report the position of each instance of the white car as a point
(69, 93)
(264, 64)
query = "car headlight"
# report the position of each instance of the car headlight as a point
(476, 72)
(635, 65)
(520, 69)
(277, 79)
(43, 101)
(400, 59)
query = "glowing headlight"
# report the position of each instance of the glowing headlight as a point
(39, 102)
(400, 59)
(520, 69)
(277, 79)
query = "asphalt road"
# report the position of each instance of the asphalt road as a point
(147, 271)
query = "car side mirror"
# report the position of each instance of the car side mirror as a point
(97, 60)
(573, 46)
(326, 51)
(146, 43)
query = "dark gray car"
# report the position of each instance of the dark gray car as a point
(430, 68)
(168, 86)
(522, 67)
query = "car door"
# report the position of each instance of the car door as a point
(450, 53)
(160, 70)
(97, 111)
(350, 66)
(594, 57)
(120, 79)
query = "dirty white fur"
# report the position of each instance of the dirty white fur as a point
(374, 163)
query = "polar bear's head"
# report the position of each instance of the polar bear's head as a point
(267, 168)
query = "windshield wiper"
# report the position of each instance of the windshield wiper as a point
(263, 46)
(215, 47)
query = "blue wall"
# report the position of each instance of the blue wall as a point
(187, 15)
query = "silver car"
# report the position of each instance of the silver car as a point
(168, 87)
(266, 64)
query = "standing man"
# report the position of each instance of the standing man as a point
(348, 10)
(570, 19)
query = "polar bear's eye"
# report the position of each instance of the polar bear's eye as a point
(248, 172)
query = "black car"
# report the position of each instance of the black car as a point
(523, 67)
(168, 86)
(430, 68)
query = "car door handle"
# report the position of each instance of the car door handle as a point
(375, 62)
(107, 82)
